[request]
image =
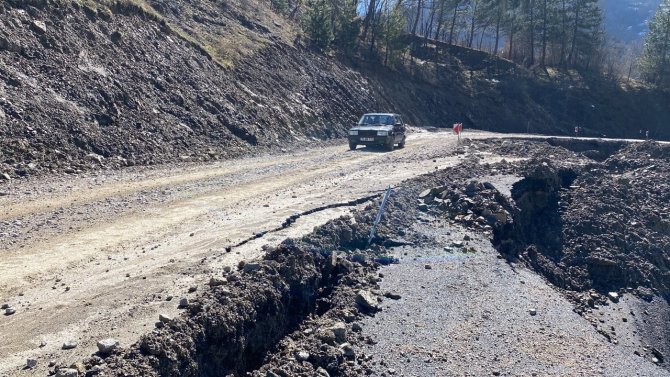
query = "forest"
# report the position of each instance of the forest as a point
(564, 34)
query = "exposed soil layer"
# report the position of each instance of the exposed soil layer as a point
(230, 328)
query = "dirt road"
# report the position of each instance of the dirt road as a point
(102, 254)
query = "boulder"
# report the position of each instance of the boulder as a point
(39, 27)
(107, 346)
(67, 372)
(367, 301)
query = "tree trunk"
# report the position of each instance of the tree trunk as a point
(564, 31)
(472, 23)
(571, 56)
(664, 51)
(495, 47)
(544, 33)
(510, 54)
(453, 22)
(418, 16)
(369, 17)
(440, 19)
(531, 30)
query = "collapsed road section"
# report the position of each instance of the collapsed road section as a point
(479, 288)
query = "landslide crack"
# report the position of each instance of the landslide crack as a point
(295, 217)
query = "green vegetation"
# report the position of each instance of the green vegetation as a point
(318, 25)
(655, 60)
(561, 34)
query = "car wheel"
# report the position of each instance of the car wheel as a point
(389, 144)
(402, 143)
(352, 146)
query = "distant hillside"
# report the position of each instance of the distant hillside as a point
(626, 20)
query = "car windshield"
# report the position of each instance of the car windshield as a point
(377, 119)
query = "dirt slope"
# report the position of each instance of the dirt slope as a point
(116, 85)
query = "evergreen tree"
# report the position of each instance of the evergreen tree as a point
(393, 32)
(655, 61)
(318, 24)
(346, 24)
(587, 34)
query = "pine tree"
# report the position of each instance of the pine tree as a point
(587, 34)
(655, 61)
(346, 24)
(318, 24)
(393, 32)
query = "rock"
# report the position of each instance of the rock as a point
(356, 327)
(69, 345)
(392, 295)
(658, 355)
(466, 238)
(38, 27)
(425, 193)
(67, 372)
(164, 318)
(532, 311)
(31, 363)
(251, 267)
(183, 302)
(320, 372)
(654, 360)
(302, 355)
(428, 267)
(215, 282)
(336, 334)
(107, 346)
(5, 176)
(192, 289)
(457, 244)
(93, 157)
(613, 296)
(347, 350)
(10, 311)
(5, 306)
(367, 301)
(79, 367)
(227, 269)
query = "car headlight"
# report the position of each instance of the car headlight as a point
(353, 133)
(382, 133)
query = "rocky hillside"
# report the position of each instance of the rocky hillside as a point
(99, 83)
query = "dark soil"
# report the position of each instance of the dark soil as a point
(596, 230)
(303, 284)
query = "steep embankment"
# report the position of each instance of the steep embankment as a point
(495, 94)
(82, 86)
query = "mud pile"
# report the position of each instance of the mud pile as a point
(583, 224)
(617, 223)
